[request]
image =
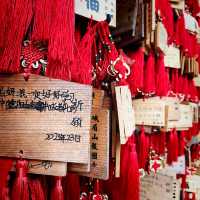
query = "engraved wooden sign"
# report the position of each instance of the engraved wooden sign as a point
(149, 112)
(45, 119)
(46, 168)
(99, 141)
(125, 111)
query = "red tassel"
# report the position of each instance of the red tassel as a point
(135, 79)
(162, 79)
(42, 20)
(61, 42)
(20, 18)
(72, 188)
(82, 66)
(182, 143)
(162, 143)
(175, 146)
(57, 190)
(175, 81)
(170, 148)
(20, 190)
(129, 176)
(5, 167)
(97, 195)
(149, 75)
(5, 8)
(36, 189)
(143, 151)
(133, 182)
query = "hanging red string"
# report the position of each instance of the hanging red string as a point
(162, 78)
(149, 75)
(143, 149)
(42, 20)
(20, 18)
(136, 77)
(61, 41)
(129, 174)
(182, 143)
(72, 187)
(36, 189)
(5, 167)
(20, 190)
(57, 190)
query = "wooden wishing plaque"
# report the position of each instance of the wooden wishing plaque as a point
(125, 111)
(44, 119)
(99, 158)
(149, 112)
(99, 144)
(186, 118)
(46, 168)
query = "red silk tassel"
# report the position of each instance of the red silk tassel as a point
(182, 143)
(149, 75)
(42, 20)
(72, 187)
(143, 149)
(133, 174)
(20, 18)
(20, 190)
(97, 195)
(175, 145)
(5, 8)
(61, 42)
(82, 65)
(5, 167)
(162, 143)
(175, 81)
(36, 189)
(170, 147)
(162, 79)
(57, 190)
(130, 190)
(135, 79)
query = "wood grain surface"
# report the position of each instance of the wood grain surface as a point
(44, 119)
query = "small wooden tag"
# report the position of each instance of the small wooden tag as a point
(126, 116)
(172, 57)
(186, 119)
(149, 112)
(46, 119)
(161, 37)
(46, 168)
(99, 166)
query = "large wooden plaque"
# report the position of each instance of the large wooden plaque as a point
(44, 119)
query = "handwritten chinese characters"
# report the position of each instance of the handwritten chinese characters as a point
(55, 114)
(149, 112)
(18, 99)
(99, 145)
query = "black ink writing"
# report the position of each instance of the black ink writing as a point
(73, 138)
(45, 164)
(77, 122)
